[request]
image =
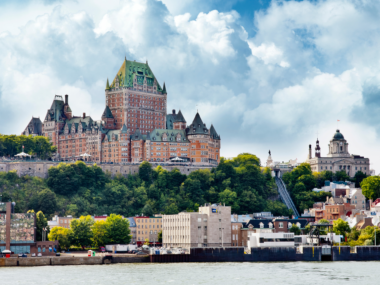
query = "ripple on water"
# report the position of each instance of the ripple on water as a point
(325, 273)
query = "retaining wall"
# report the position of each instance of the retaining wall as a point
(40, 169)
(360, 253)
(256, 255)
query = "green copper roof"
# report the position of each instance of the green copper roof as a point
(130, 70)
(107, 85)
(138, 135)
(157, 135)
(55, 113)
(107, 113)
(124, 129)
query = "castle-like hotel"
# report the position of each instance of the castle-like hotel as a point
(134, 127)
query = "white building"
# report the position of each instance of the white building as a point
(266, 238)
(338, 158)
(209, 227)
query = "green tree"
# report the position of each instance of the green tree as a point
(146, 241)
(358, 178)
(117, 230)
(294, 229)
(147, 210)
(62, 235)
(145, 171)
(341, 227)
(341, 176)
(82, 233)
(99, 232)
(41, 223)
(160, 236)
(63, 179)
(371, 187)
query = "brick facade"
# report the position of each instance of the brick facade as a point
(134, 126)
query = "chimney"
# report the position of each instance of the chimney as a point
(309, 151)
(84, 115)
(173, 111)
(66, 99)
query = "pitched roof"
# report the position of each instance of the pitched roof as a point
(179, 117)
(213, 133)
(256, 224)
(124, 129)
(87, 123)
(55, 113)
(157, 135)
(138, 135)
(197, 126)
(34, 127)
(107, 113)
(130, 70)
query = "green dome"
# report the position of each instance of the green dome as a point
(338, 136)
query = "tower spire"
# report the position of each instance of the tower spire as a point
(107, 85)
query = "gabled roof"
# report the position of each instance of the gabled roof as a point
(55, 113)
(157, 135)
(107, 113)
(137, 136)
(256, 224)
(179, 117)
(213, 133)
(124, 129)
(87, 123)
(34, 127)
(197, 127)
(130, 70)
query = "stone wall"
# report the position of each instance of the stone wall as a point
(40, 169)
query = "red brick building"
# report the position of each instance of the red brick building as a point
(134, 126)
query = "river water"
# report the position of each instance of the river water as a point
(197, 273)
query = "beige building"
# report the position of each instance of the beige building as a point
(63, 222)
(147, 228)
(209, 227)
(338, 158)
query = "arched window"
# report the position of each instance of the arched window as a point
(261, 225)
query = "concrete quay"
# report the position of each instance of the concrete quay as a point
(59, 260)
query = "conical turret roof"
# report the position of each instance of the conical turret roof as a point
(107, 113)
(197, 127)
(179, 117)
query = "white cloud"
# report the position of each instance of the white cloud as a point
(210, 32)
(268, 53)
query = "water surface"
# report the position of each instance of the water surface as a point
(197, 273)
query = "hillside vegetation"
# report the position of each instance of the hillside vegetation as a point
(77, 189)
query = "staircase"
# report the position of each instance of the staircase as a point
(285, 197)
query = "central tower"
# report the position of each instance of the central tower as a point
(136, 99)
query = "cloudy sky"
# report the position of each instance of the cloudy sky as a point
(268, 74)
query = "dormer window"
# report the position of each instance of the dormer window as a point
(261, 225)
(270, 225)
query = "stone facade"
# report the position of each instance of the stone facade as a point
(338, 158)
(210, 227)
(134, 126)
(40, 169)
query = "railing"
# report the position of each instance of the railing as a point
(285, 197)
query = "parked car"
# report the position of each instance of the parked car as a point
(39, 254)
(102, 249)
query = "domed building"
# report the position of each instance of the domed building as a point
(338, 158)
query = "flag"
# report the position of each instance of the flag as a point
(338, 120)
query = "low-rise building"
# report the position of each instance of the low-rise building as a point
(209, 227)
(147, 228)
(132, 227)
(63, 222)
(267, 238)
(18, 232)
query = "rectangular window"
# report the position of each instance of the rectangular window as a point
(281, 225)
